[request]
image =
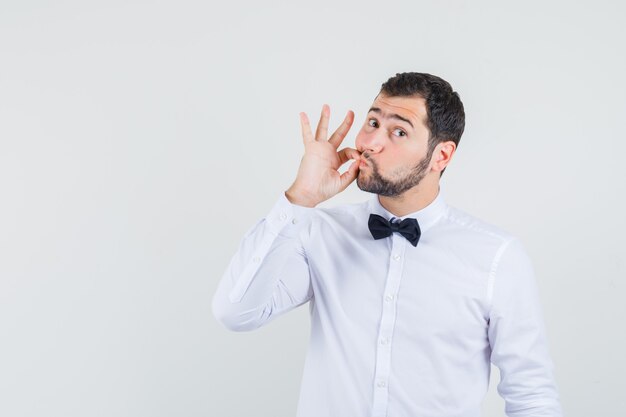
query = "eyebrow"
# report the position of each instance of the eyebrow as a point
(392, 115)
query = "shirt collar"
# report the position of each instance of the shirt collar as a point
(426, 216)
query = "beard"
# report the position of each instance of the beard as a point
(375, 183)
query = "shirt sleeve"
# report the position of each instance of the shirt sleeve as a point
(517, 336)
(268, 274)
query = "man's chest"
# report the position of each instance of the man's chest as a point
(427, 286)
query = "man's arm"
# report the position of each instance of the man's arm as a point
(519, 346)
(269, 274)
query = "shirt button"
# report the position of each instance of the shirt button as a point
(381, 384)
(389, 297)
(384, 341)
(396, 257)
(294, 221)
(282, 216)
(256, 259)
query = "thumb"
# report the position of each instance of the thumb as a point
(350, 175)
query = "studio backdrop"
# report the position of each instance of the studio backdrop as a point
(140, 140)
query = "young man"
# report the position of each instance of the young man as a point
(410, 299)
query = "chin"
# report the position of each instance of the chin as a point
(363, 184)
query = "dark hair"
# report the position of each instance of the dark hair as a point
(446, 116)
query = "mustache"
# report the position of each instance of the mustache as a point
(371, 162)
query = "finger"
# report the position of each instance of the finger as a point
(348, 153)
(350, 175)
(307, 135)
(322, 127)
(342, 130)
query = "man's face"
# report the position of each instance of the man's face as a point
(394, 145)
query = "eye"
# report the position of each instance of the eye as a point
(372, 122)
(401, 132)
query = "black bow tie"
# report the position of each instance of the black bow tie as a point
(381, 227)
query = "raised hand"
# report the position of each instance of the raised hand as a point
(318, 177)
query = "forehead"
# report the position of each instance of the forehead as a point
(413, 107)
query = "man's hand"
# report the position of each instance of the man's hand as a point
(318, 177)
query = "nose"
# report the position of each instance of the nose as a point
(371, 142)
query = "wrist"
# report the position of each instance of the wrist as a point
(299, 198)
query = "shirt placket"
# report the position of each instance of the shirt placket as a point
(387, 324)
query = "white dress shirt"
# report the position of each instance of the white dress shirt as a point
(397, 330)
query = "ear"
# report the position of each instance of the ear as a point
(442, 155)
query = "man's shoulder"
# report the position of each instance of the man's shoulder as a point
(467, 223)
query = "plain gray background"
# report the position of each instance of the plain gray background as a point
(140, 140)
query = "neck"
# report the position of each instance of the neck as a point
(411, 200)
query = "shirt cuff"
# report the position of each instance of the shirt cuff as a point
(286, 218)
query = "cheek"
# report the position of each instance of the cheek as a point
(399, 159)
(398, 156)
